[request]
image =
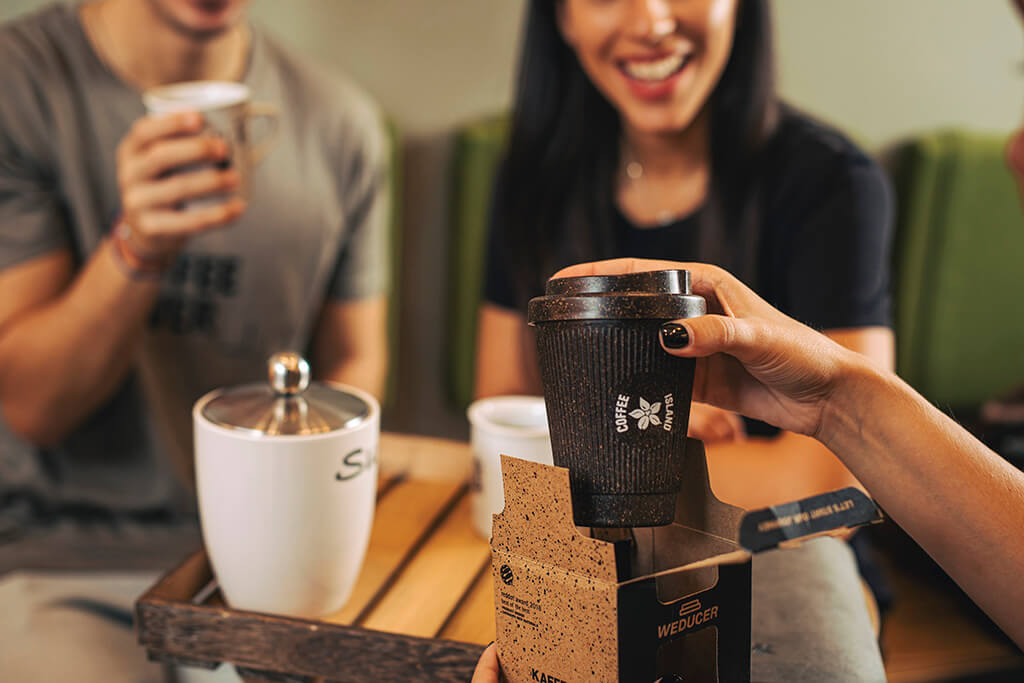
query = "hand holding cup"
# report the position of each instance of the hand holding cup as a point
(751, 358)
(152, 193)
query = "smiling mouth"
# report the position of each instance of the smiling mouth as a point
(652, 71)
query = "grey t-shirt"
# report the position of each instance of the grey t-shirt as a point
(315, 228)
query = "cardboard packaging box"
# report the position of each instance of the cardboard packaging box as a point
(576, 604)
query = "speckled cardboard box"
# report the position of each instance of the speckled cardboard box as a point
(673, 600)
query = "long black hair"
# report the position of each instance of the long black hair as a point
(556, 187)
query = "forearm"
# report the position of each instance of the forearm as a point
(62, 360)
(959, 500)
(368, 374)
(350, 344)
(760, 472)
(506, 363)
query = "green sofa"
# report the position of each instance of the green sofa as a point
(478, 149)
(958, 269)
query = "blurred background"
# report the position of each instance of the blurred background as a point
(881, 71)
(885, 72)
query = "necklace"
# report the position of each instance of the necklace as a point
(634, 174)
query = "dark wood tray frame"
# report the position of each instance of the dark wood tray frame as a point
(175, 629)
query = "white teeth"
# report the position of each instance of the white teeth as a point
(654, 71)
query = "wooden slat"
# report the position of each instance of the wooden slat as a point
(425, 458)
(403, 519)
(431, 585)
(386, 480)
(184, 581)
(473, 620)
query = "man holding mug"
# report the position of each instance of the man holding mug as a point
(137, 273)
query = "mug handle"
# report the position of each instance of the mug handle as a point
(265, 110)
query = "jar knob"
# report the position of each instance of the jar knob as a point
(288, 373)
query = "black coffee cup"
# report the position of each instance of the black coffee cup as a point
(617, 403)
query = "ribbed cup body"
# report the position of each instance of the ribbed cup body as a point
(618, 407)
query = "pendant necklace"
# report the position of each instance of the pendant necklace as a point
(634, 172)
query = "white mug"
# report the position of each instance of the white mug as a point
(286, 518)
(229, 113)
(503, 425)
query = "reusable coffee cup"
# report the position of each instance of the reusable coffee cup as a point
(503, 425)
(227, 112)
(618, 404)
(287, 479)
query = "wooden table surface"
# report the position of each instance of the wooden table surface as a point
(423, 600)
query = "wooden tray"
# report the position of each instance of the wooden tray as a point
(422, 608)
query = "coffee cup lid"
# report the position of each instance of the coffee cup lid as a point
(288, 404)
(656, 294)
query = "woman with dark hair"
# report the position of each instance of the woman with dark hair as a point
(651, 129)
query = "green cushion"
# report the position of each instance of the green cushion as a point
(478, 149)
(391, 383)
(958, 255)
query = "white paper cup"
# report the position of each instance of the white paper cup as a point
(503, 425)
(229, 113)
(286, 519)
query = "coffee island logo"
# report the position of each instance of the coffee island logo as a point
(648, 414)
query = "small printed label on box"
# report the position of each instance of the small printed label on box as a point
(519, 609)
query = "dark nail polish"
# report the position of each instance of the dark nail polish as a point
(674, 336)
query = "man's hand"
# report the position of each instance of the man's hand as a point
(151, 193)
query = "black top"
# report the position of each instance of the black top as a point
(825, 233)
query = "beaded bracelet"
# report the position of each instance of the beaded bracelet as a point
(135, 264)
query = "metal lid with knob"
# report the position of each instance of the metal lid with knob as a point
(290, 405)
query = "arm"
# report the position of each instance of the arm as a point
(963, 503)
(350, 340)
(62, 351)
(350, 343)
(959, 500)
(506, 357)
(66, 339)
(761, 472)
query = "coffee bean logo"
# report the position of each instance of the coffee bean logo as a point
(506, 574)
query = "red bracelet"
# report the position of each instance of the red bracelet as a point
(135, 264)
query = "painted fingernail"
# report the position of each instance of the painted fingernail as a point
(674, 336)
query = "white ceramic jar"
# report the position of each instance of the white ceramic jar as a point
(287, 478)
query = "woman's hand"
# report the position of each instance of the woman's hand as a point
(714, 425)
(752, 359)
(487, 669)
